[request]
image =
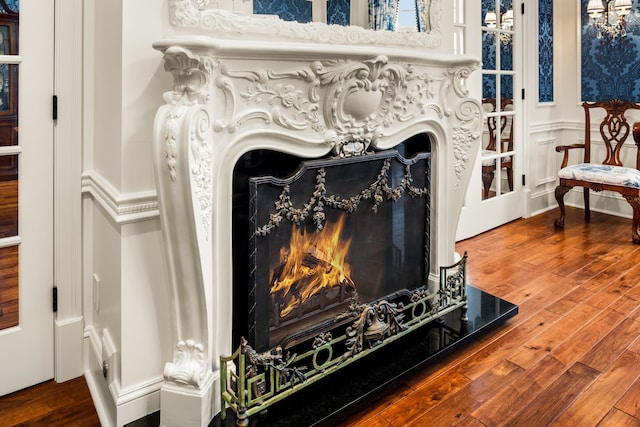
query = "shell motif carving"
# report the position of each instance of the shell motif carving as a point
(191, 76)
(188, 364)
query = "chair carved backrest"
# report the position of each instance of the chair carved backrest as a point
(506, 129)
(614, 129)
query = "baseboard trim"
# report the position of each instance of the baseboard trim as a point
(115, 406)
(68, 338)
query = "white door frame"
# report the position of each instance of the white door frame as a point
(491, 209)
(69, 325)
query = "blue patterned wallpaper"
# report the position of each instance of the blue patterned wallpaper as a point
(611, 70)
(13, 5)
(489, 46)
(545, 50)
(338, 11)
(289, 10)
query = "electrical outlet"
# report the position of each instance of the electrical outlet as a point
(96, 293)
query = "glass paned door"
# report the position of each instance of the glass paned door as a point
(9, 178)
(498, 32)
(495, 191)
(26, 196)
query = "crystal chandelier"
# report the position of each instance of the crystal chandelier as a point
(609, 17)
(506, 23)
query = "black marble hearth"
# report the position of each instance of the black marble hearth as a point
(360, 384)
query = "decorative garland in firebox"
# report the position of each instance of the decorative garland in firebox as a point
(376, 191)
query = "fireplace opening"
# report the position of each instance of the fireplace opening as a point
(311, 238)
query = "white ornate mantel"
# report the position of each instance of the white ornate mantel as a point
(305, 98)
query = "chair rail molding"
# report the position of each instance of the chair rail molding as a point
(121, 208)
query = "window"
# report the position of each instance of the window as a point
(407, 16)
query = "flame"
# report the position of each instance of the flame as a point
(312, 262)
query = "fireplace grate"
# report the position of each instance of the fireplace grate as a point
(252, 381)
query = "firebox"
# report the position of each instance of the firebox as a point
(313, 237)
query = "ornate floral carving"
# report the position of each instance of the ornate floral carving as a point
(285, 96)
(202, 152)
(188, 14)
(171, 129)
(465, 132)
(188, 364)
(376, 192)
(350, 102)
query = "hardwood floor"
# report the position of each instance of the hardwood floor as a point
(571, 357)
(50, 404)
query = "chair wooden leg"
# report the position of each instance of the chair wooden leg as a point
(561, 190)
(487, 178)
(587, 211)
(634, 201)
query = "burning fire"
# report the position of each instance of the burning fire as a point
(312, 263)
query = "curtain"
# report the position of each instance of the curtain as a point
(422, 15)
(383, 14)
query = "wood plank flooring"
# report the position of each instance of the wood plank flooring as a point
(50, 404)
(571, 357)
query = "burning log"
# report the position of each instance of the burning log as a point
(311, 265)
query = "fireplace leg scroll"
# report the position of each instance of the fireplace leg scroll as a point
(182, 158)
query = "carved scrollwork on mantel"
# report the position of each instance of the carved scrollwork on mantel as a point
(465, 134)
(206, 17)
(188, 101)
(349, 103)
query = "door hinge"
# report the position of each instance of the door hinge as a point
(522, 8)
(523, 94)
(523, 180)
(55, 299)
(55, 107)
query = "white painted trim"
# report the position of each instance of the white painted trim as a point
(105, 408)
(5, 242)
(68, 338)
(121, 208)
(555, 126)
(115, 406)
(10, 59)
(66, 189)
(10, 150)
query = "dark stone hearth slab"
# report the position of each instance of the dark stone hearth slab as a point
(362, 383)
(366, 381)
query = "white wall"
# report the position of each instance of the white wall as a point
(126, 303)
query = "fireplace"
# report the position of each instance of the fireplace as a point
(311, 237)
(268, 144)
